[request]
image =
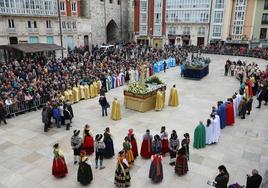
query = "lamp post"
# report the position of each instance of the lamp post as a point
(59, 16)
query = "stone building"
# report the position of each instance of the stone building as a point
(109, 20)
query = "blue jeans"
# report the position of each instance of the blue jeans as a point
(104, 110)
(57, 121)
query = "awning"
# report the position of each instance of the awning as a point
(32, 48)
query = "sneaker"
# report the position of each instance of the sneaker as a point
(102, 167)
(258, 107)
(96, 167)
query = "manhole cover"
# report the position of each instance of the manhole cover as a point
(251, 134)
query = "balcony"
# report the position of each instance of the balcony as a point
(28, 12)
(49, 30)
(33, 30)
(11, 30)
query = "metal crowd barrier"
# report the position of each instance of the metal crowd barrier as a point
(24, 106)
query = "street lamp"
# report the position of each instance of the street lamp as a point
(59, 16)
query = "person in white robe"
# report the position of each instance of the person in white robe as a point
(209, 132)
(217, 128)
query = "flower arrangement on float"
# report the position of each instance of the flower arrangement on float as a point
(197, 63)
(152, 84)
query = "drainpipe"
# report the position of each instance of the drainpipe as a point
(209, 25)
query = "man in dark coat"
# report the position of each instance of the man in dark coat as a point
(255, 180)
(45, 119)
(2, 113)
(165, 66)
(260, 96)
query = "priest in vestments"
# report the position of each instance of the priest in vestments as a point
(76, 94)
(200, 136)
(116, 110)
(222, 113)
(92, 91)
(173, 97)
(86, 91)
(230, 118)
(209, 132)
(159, 104)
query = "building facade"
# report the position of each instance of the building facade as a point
(260, 35)
(220, 21)
(83, 22)
(149, 22)
(188, 21)
(24, 21)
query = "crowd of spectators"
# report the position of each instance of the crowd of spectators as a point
(233, 50)
(27, 83)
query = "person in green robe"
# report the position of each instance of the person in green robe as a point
(200, 136)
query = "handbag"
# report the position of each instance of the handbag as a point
(107, 105)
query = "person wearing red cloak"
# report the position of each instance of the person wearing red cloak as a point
(230, 118)
(146, 146)
(133, 143)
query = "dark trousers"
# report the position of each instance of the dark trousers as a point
(259, 103)
(3, 119)
(99, 155)
(104, 110)
(46, 125)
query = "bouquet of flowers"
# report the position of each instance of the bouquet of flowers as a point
(137, 89)
(154, 80)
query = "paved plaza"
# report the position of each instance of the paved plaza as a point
(26, 152)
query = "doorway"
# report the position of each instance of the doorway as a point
(13, 40)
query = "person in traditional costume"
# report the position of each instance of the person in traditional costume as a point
(109, 149)
(92, 91)
(181, 165)
(156, 168)
(86, 91)
(209, 132)
(122, 176)
(174, 145)
(157, 144)
(88, 144)
(99, 151)
(230, 117)
(95, 88)
(185, 144)
(222, 113)
(217, 128)
(146, 146)
(242, 108)
(249, 105)
(127, 76)
(164, 140)
(133, 143)
(59, 167)
(116, 110)
(159, 104)
(173, 97)
(84, 174)
(200, 136)
(128, 151)
(76, 143)
(82, 91)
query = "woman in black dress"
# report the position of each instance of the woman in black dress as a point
(109, 149)
(84, 175)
